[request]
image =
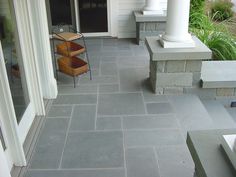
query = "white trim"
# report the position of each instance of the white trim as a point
(7, 113)
(96, 34)
(112, 24)
(30, 65)
(43, 57)
(26, 122)
(77, 15)
(114, 17)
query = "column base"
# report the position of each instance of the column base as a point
(153, 12)
(183, 44)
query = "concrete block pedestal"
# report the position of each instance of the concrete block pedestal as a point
(148, 25)
(174, 69)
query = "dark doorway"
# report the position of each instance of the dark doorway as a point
(60, 12)
(93, 16)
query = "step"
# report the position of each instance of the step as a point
(220, 116)
(218, 74)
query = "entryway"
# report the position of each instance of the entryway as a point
(90, 17)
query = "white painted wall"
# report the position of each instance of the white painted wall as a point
(126, 22)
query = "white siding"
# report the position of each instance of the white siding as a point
(126, 22)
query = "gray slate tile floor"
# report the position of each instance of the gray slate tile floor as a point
(114, 126)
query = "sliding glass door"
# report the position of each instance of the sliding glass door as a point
(88, 16)
(93, 16)
(15, 65)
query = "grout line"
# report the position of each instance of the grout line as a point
(71, 104)
(67, 133)
(96, 115)
(126, 130)
(145, 105)
(68, 117)
(123, 134)
(77, 169)
(119, 81)
(156, 157)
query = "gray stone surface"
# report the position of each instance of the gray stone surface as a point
(108, 88)
(121, 104)
(174, 79)
(158, 53)
(60, 111)
(83, 118)
(150, 122)
(219, 74)
(70, 90)
(225, 92)
(50, 145)
(75, 99)
(181, 163)
(218, 113)
(193, 66)
(153, 138)
(99, 80)
(148, 25)
(133, 77)
(159, 108)
(77, 173)
(108, 68)
(108, 123)
(206, 93)
(191, 113)
(173, 90)
(96, 142)
(208, 156)
(94, 150)
(139, 17)
(175, 66)
(135, 160)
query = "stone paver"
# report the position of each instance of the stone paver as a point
(114, 125)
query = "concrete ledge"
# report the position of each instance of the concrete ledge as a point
(209, 158)
(158, 53)
(218, 74)
(139, 17)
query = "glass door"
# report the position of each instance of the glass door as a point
(15, 68)
(90, 17)
(93, 16)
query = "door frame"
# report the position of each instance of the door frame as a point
(15, 138)
(112, 8)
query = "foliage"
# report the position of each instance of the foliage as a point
(222, 10)
(213, 34)
(222, 44)
(197, 6)
(200, 21)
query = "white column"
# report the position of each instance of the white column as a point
(43, 49)
(152, 7)
(176, 34)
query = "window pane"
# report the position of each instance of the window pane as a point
(13, 61)
(60, 12)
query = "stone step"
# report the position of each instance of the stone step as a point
(218, 74)
(191, 113)
(220, 116)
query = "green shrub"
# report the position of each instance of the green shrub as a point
(197, 6)
(199, 20)
(222, 44)
(222, 10)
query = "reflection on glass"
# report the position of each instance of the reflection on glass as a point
(93, 16)
(13, 60)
